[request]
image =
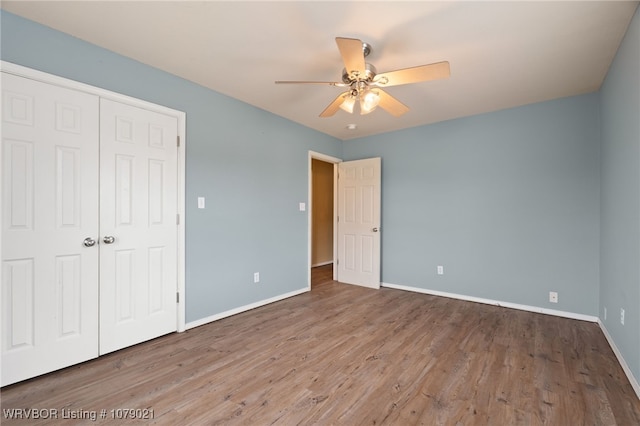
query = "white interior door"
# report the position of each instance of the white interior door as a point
(359, 222)
(49, 207)
(138, 210)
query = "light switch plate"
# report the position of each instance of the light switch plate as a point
(303, 207)
(201, 202)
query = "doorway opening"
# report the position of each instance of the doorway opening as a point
(322, 217)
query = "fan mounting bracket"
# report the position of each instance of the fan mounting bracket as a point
(366, 49)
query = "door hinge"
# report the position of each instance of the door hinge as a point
(178, 140)
(177, 219)
(337, 261)
(177, 297)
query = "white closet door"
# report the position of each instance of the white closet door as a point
(138, 208)
(49, 207)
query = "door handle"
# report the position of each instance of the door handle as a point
(89, 242)
(108, 239)
(375, 229)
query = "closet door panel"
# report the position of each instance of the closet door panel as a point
(138, 207)
(49, 209)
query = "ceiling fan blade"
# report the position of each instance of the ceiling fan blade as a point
(391, 104)
(335, 105)
(352, 55)
(417, 74)
(329, 83)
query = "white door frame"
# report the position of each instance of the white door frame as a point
(328, 159)
(43, 77)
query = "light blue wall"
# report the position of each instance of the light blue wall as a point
(620, 210)
(507, 202)
(251, 166)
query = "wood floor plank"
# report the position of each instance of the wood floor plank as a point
(346, 355)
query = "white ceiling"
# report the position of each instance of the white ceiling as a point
(502, 54)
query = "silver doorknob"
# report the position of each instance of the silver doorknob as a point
(375, 229)
(89, 242)
(108, 239)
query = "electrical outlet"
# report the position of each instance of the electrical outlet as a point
(553, 296)
(440, 270)
(256, 277)
(622, 316)
(605, 313)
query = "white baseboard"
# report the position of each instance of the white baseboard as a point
(244, 308)
(564, 314)
(328, 262)
(634, 383)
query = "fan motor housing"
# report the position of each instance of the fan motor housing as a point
(369, 74)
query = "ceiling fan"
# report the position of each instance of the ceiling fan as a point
(365, 84)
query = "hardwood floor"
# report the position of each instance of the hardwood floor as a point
(343, 354)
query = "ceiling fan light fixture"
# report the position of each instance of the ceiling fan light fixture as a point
(369, 101)
(361, 77)
(347, 105)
